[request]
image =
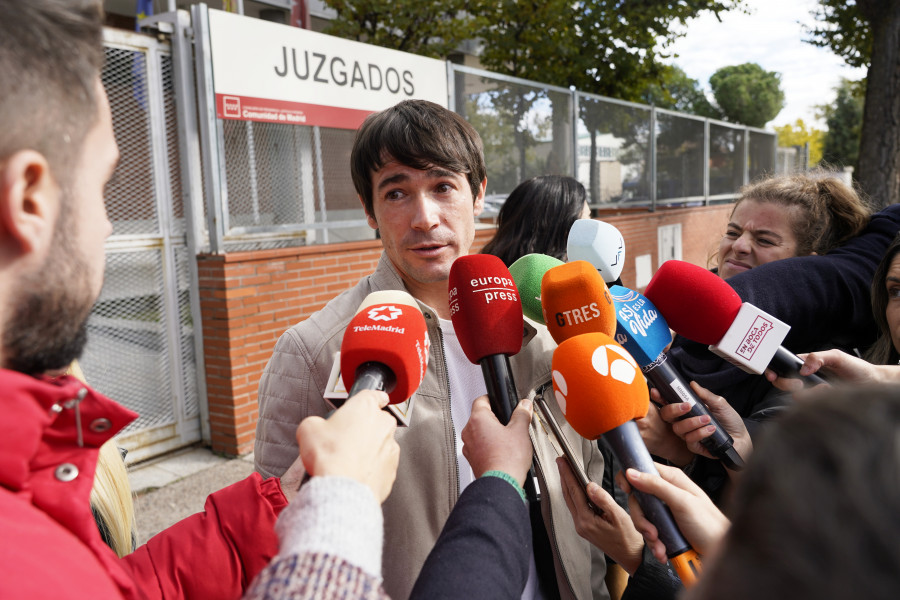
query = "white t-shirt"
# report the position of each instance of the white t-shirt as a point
(466, 384)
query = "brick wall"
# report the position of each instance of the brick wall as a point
(248, 299)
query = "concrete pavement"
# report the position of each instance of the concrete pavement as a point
(174, 486)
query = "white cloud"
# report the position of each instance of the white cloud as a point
(771, 36)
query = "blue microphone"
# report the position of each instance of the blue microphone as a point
(642, 330)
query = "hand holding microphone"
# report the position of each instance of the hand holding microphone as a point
(695, 430)
(702, 523)
(356, 441)
(601, 391)
(700, 306)
(489, 445)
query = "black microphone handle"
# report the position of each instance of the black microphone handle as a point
(787, 364)
(501, 391)
(501, 387)
(373, 376)
(673, 388)
(625, 441)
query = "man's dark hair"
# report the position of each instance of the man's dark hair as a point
(815, 514)
(418, 134)
(50, 56)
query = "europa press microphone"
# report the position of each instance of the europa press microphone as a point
(600, 390)
(600, 244)
(487, 318)
(702, 307)
(643, 331)
(385, 346)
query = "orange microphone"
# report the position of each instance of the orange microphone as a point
(600, 390)
(575, 300)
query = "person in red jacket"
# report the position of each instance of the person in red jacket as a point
(57, 152)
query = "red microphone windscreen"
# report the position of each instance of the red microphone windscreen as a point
(696, 303)
(598, 384)
(390, 333)
(485, 307)
(576, 300)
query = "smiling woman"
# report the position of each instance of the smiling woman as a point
(790, 215)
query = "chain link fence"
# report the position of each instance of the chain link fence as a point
(287, 185)
(142, 321)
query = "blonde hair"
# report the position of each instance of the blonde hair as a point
(111, 498)
(828, 211)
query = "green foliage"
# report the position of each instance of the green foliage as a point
(676, 91)
(798, 134)
(844, 120)
(842, 28)
(606, 47)
(432, 28)
(748, 94)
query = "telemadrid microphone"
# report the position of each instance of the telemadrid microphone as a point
(385, 346)
(576, 300)
(701, 306)
(600, 244)
(600, 390)
(487, 317)
(527, 272)
(642, 331)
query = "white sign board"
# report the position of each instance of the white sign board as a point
(264, 71)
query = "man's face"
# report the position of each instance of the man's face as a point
(426, 219)
(47, 329)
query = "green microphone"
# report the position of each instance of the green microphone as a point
(528, 272)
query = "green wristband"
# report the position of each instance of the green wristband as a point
(507, 478)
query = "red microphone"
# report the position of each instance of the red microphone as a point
(600, 390)
(701, 306)
(385, 346)
(487, 317)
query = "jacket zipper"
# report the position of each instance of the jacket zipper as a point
(448, 416)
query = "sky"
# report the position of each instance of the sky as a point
(771, 36)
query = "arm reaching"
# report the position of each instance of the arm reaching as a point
(702, 524)
(658, 435)
(357, 441)
(612, 530)
(489, 446)
(696, 429)
(843, 366)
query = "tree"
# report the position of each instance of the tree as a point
(604, 47)
(797, 134)
(676, 91)
(867, 33)
(844, 120)
(432, 28)
(748, 93)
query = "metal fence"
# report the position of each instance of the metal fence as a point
(284, 185)
(141, 349)
(625, 154)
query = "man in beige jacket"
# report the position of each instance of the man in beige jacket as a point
(419, 171)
